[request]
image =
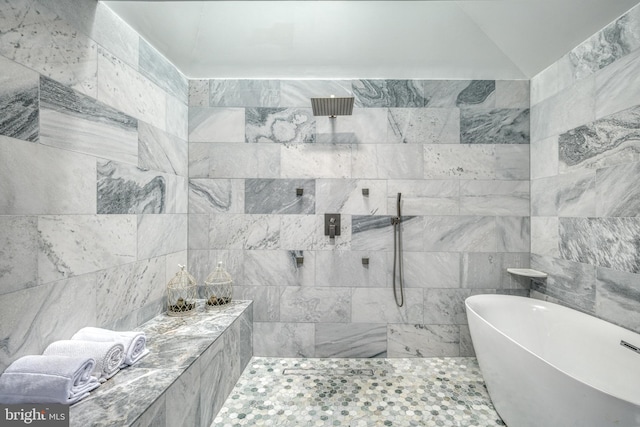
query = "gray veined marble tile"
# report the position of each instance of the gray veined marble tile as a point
(315, 161)
(158, 150)
(606, 46)
(350, 340)
(377, 305)
(431, 270)
(245, 93)
(605, 142)
(314, 304)
(446, 306)
(501, 198)
(514, 233)
(126, 90)
(364, 126)
(124, 189)
(64, 184)
(127, 288)
(369, 232)
(283, 339)
(198, 93)
(35, 37)
(216, 196)
(281, 125)
(496, 126)
(298, 232)
(617, 298)
(298, 93)
(424, 197)
(18, 253)
(476, 93)
(616, 243)
(19, 101)
(346, 196)
(388, 93)
(570, 282)
(216, 124)
(544, 196)
(424, 125)
(617, 191)
(576, 194)
(346, 269)
(423, 341)
(76, 122)
(279, 268)
(279, 196)
(231, 231)
(512, 94)
(266, 301)
(161, 235)
(577, 240)
(162, 72)
(460, 234)
(71, 245)
(458, 93)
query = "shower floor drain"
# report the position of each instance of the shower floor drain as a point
(325, 372)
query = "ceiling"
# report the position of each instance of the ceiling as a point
(469, 39)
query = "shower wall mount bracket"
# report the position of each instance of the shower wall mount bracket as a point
(331, 225)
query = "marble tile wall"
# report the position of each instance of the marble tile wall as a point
(458, 151)
(585, 166)
(93, 173)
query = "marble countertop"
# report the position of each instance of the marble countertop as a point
(174, 344)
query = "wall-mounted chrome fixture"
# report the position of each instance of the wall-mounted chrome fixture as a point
(332, 106)
(332, 225)
(365, 191)
(365, 261)
(299, 260)
(299, 191)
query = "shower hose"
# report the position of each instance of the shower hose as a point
(397, 257)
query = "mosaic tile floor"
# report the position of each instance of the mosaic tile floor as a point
(359, 393)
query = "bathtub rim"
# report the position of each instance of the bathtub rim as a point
(552, 365)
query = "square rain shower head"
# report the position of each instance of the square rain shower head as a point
(332, 106)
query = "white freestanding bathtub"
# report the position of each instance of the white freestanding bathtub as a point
(546, 365)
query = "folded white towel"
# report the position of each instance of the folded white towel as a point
(134, 341)
(108, 355)
(47, 379)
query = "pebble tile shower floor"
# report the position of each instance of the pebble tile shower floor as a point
(359, 392)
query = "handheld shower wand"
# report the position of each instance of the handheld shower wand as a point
(397, 255)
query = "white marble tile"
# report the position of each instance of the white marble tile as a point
(161, 234)
(234, 160)
(544, 196)
(371, 233)
(430, 269)
(216, 196)
(315, 161)
(19, 101)
(545, 84)
(280, 196)
(460, 234)
(346, 196)
(500, 198)
(266, 301)
(424, 197)
(365, 125)
(153, 65)
(350, 340)
(244, 93)
(72, 245)
(544, 157)
(446, 306)
(616, 298)
(377, 305)
(158, 150)
(123, 88)
(388, 161)
(544, 236)
(198, 93)
(494, 126)
(576, 194)
(35, 37)
(345, 269)
(298, 232)
(65, 182)
(514, 233)
(33, 318)
(198, 231)
(127, 288)
(315, 304)
(115, 35)
(616, 86)
(512, 161)
(423, 341)
(298, 93)
(280, 125)
(216, 124)
(617, 192)
(449, 161)
(283, 339)
(232, 231)
(424, 125)
(18, 253)
(75, 122)
(177, 120)
(512, 94)
(279, 268)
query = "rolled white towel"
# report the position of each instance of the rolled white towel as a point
(108, 355)
(134, 341)
(48, 379)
